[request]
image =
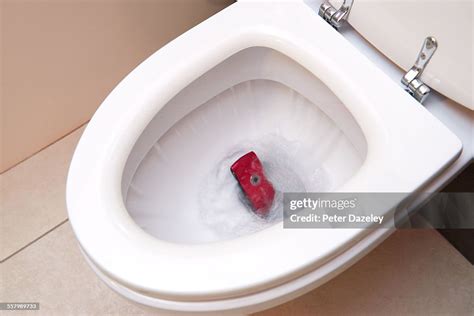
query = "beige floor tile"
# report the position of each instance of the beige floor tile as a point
(412, 272)
(32, 195)
(53, 272)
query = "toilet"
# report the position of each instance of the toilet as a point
(269, 73)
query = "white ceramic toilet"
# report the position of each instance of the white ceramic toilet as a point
(271, 74)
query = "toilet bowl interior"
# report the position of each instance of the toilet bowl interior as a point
(177, 184)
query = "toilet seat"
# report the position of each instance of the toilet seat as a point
(406, 148)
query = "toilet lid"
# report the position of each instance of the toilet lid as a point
(398, 29)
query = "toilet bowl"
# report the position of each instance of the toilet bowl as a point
(249, 74)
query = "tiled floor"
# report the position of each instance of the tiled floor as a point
(32, 195)
(412, 272)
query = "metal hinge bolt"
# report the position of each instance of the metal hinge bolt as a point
(411, 80)
(333, 16)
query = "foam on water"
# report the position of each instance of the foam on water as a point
(222, 205)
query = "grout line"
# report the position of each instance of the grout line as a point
(43, 148)
(33, 241)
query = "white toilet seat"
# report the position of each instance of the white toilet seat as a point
(406, 148)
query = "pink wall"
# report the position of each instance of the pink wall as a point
(59, 60)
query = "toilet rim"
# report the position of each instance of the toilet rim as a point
(117, 246)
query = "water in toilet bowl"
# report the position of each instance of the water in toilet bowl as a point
(182, 189)
(222, 205)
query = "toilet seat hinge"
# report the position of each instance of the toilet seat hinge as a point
(411, 80)
(333, 16)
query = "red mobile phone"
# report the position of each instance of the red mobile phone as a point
(248, 171)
